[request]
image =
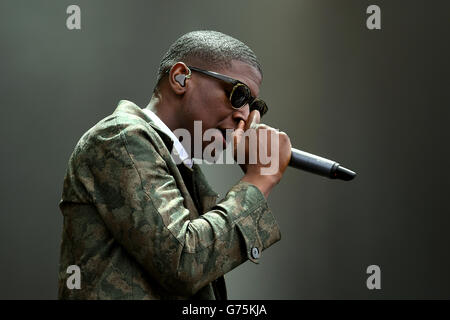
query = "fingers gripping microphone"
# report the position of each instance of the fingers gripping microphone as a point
(318, 165)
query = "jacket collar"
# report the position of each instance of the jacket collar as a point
(205, 191)
(130, 108)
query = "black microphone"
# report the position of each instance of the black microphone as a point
(318, 165)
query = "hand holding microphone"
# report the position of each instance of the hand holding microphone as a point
(297, 158)
(264, 175)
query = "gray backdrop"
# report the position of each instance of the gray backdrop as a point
(376, 101)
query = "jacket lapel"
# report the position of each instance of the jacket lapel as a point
(164, 144)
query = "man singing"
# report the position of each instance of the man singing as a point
(140, 220)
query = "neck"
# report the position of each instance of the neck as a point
(164, 110)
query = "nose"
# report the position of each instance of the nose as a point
(240, 114)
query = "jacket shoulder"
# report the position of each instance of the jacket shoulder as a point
(107, 133)
(105, 140)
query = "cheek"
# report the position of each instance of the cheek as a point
(211, 107)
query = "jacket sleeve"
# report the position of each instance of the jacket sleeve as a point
(141, 205)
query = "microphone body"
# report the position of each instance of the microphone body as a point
(319, 165)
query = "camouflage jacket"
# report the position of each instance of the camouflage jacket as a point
(140, 227)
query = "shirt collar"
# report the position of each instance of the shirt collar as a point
(179, 151)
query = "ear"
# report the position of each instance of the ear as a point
(178, 75)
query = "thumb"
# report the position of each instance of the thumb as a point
(241, 125)
(238, 132)
(253, 118)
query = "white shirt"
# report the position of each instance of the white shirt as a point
(179, 151)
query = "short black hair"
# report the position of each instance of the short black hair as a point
(213, 48)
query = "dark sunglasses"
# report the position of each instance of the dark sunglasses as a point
(240, 95)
